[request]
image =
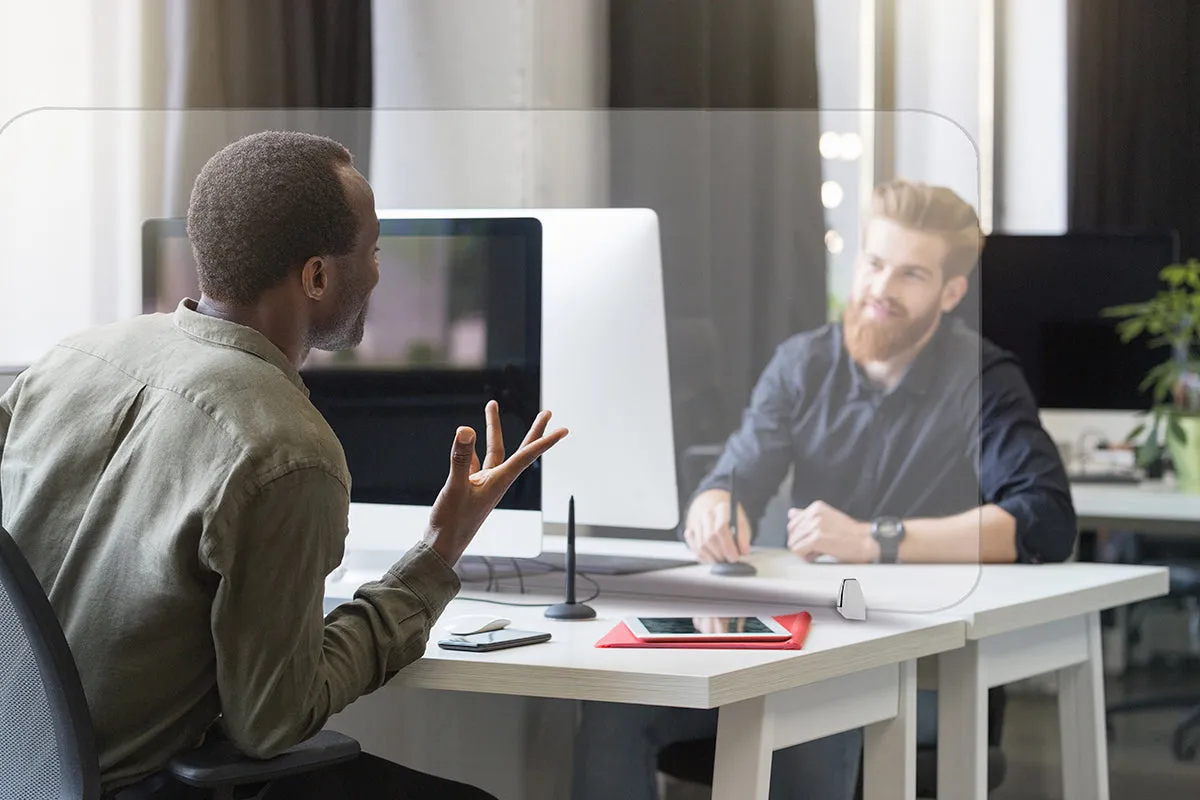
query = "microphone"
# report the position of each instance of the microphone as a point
(571, 609)
(736, 569)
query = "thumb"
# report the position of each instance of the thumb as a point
(461, 455)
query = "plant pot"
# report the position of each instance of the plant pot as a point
(1185, 455)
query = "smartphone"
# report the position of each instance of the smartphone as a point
(707, 629)
(493, 640)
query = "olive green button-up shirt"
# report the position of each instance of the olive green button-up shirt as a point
(182, 502)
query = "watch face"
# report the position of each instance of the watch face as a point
(887, 528)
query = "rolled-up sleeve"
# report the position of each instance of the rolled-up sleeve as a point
(760, 450)
(283, 667)
(1020, 469)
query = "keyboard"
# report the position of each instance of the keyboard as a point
(614, 565)
(1123, 478)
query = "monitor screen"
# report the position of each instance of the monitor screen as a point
(455, 321)
(1042, 297)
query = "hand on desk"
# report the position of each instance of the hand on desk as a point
(707, 530)
(820, 529)
(472, 489)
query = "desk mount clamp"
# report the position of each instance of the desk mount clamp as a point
(850, 603)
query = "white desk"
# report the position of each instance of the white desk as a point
(849, 675)
(1024, 621)
(1017, 621)
(1150, 507)
(1021, 621)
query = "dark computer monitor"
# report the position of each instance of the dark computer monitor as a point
(1041, 298)
(454, 322)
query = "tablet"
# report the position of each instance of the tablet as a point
(707, 629)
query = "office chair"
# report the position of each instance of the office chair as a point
(1182, 560)
(47, 745)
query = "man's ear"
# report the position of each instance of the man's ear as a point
(953, 293)
(315, 278)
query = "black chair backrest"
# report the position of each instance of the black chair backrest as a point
(47, 748)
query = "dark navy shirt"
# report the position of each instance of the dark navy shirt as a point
(960, 430)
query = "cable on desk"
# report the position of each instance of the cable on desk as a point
(520, 577)
(588, 578)
(491, 584)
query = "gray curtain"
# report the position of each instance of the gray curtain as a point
(737, 189)
(233, 68)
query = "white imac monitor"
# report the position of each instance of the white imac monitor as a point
(454, 322)
(604, 364)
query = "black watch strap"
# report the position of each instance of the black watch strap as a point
(888, 532)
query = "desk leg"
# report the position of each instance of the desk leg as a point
(890, 747)
(962, 724)
(1081, 719)
(742, 768)
(881, 700)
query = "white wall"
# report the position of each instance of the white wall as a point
(1032, 182)
(68, 260)
(839, 50)
(940, 133)
(45, 54)
(937, 90)
(484, 103)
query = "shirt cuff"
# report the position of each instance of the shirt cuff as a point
(428, 576)
(1045, 528)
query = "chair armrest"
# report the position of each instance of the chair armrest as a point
(220, 764)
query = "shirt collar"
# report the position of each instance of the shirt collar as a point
(230, 334)
(920, 373)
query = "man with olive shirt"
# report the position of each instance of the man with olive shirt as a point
(910, 438)
(181, 500)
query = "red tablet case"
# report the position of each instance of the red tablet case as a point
(798, 624)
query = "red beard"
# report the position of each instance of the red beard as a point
(870, 340)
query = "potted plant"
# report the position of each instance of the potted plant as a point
(1172, 318)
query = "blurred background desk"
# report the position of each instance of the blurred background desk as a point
(1152, 523)
(1151, 507)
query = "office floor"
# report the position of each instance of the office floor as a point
(1141, 765)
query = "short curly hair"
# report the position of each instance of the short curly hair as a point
(262, 206)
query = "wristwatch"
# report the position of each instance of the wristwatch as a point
(889, 532)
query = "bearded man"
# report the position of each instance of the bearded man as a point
(910, 439)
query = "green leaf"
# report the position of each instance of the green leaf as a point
(1176, 431)
(1135, 433)
(1163, 374)
(1127, 310)
(1174, 274)
(1147, 453)
(1131, 329)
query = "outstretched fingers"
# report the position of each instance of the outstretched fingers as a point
(462, 456)
(495, 436)
(519, 461)
(537, 428)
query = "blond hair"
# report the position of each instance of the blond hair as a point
(935, 210)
